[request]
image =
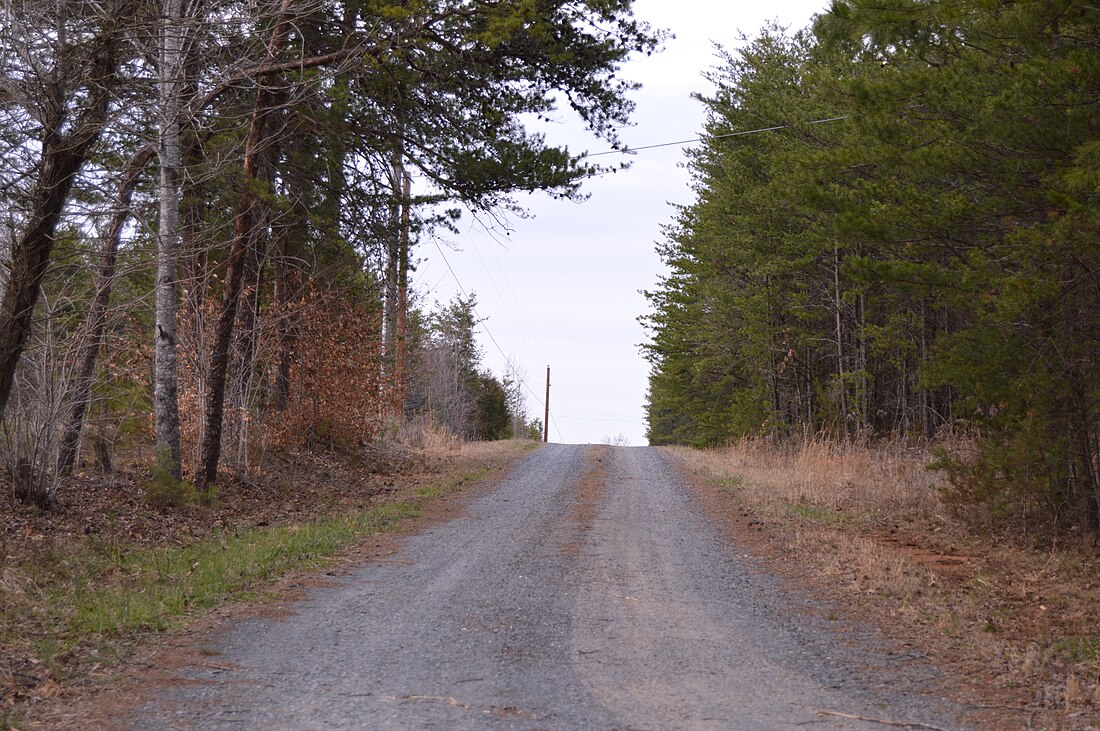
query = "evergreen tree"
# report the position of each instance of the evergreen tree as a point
(924, 260)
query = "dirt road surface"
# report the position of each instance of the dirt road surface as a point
(588, 591)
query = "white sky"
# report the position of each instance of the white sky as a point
(563, 288)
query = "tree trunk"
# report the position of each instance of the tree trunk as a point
(165, 376)
(393, 256)
(843, 390)
(925, 402)
(245, 348)
(284, 329)
(402, 301)
(96, 321)
(244, 234)
(863, 401)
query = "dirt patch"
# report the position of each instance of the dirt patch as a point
(590, 489)
(80, 692)
(1014, 629)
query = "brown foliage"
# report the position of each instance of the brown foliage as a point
(335, 397)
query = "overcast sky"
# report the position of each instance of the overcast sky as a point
(562, 288)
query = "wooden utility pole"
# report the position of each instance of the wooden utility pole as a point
(546, 416)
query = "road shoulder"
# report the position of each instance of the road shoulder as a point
(778, 546)
(101, 697)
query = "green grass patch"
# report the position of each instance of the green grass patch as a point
(1076, 650)
(729, 485)
(157, 587)
(816, 513)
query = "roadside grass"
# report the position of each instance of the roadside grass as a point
(876, 482)
(868, 523)
(155, 588)
(76, 606)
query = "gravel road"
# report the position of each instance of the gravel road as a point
(588, 591)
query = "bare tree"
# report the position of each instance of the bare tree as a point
(96, 320)
(61, 67)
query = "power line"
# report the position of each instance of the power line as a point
(504, 355)
(518, 307)
(742, 133)
(625, 151)
(591, 418)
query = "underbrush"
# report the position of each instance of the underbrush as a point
(109, 565)
(869, 524)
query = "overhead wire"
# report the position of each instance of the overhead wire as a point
(519, 331)
(518, 307)
(623, 151)
(739, 133)
(593, 418)
(504, 355)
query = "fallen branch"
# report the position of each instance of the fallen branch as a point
(442, 699)
(883, 721)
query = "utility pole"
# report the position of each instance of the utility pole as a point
(546, 416)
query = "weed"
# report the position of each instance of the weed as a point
(12, 719)
(165, 491)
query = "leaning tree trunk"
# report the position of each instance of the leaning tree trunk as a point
(96, 322)
(62, 157)
(244, 235)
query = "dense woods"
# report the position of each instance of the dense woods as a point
(910, 251)
(209, 207)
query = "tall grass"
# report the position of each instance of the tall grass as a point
(883, 482)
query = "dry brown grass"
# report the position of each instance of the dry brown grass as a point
(884, 484)
(866, 526)
(431, 441)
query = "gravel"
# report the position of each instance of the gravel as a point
(528, 613)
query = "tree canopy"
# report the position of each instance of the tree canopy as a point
(272, 250)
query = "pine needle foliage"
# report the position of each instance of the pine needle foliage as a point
(926, 264)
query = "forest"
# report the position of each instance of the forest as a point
(211, 210)
(894, 239)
